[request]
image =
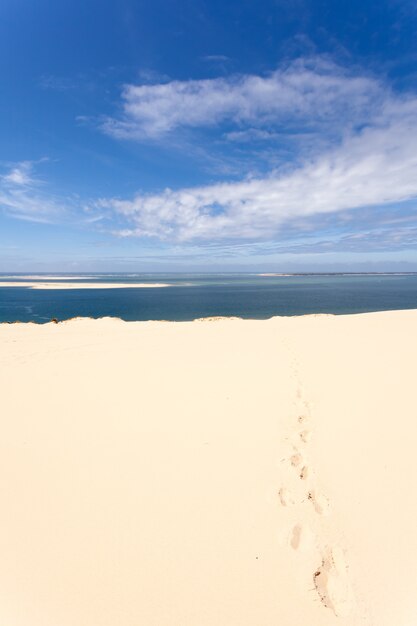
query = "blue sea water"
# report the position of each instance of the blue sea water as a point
(191, 296)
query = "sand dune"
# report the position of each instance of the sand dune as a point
(224, 473)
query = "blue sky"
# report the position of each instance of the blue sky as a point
(208, 135)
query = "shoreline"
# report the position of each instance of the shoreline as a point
(211, 319)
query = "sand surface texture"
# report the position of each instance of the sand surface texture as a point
(224, 473)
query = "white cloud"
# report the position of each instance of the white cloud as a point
(19, 175)
(21, 197)
(251, 134)
(375, 166)
(364, 154)
(356, 146)
(307, 92)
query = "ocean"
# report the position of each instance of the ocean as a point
(191, 296)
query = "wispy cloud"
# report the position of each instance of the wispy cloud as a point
(253, 134)
(216, 58)
(22, 195)
(374, 166)
(374, 240)
(305, 93)
(58, 83)
(355, 157)
(348, 142)
(19, 175)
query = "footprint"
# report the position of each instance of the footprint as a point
(286, 497)
(304, 472)
(320, 502)
(296, 459)
(301, 538)
(302, 418)
(305, 436)
(332, 583)
(296, 536)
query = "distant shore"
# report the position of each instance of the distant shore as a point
(68, 285)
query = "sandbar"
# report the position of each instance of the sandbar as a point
(69, 285)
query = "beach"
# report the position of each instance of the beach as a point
(224, 472)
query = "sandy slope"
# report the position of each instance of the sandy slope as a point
(233, 473)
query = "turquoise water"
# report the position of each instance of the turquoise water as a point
(190, 296)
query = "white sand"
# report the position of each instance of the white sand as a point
(68, 285)
(45, 277)
(233, 473)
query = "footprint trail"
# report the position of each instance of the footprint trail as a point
(331, 578)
